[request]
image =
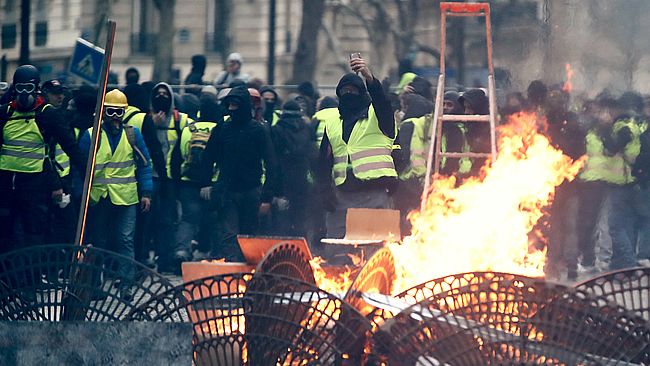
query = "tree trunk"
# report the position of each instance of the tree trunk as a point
(163, 60)
(222, 38)
(305, 58)
(102, 13)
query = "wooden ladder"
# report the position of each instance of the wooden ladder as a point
(435, 156)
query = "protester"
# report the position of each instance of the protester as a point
(238, 148)
(295, 152)
(53, 91)
(121, 183)
(356, 150)
(195, 78)
(132, 77)
(234, 63)
(28, 181)
(271, 104)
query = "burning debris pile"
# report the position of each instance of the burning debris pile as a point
(484, 224)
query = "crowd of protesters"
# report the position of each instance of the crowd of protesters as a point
(179, 176)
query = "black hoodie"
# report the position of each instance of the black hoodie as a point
(238, 147)
(295, 150)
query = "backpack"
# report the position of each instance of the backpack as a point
(198, 142)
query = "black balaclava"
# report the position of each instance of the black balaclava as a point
(160, 102)
(210, 109)
(244, 113)
(132, 76)
(269, 107)
(26, 74)
(351, 105)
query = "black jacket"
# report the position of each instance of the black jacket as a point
(238, 147)
(295, 150)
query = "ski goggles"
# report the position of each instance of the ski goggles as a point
(25, 88)
(114, 112)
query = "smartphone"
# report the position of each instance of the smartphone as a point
(354, 55)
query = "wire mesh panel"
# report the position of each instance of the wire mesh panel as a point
(215, 307)
(520, 321)
(290, 322)
(73, 283)
(628, 287)
(429, 289)
(376, 276)
(289, 260)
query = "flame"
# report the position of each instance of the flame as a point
(568, 85)
(484, 223)
(334, 283)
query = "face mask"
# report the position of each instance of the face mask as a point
(350, 100)
(161, 103)
(25, 100)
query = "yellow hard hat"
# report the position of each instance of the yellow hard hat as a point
(115, 98)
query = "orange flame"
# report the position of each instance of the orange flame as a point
(337, 284)
(484, 224)
(568, 84)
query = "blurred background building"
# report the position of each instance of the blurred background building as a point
(601, 39)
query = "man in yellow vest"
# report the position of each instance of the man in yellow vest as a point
(121, 183)
(356, 149)
(164, 217)
(186, 172)
(624, 146)
(28, 181)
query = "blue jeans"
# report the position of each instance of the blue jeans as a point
(112, 227)
(622, 218)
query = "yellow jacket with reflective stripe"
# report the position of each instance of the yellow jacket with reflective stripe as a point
(172, 136)
(615, 169)
(367, 152)
(465, 164)
(114, 173)
(323, 116)
(418, 157)
(62, 158)
(23, 149)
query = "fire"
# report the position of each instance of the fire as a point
(568, 85)
(484, 224)
(334, 283)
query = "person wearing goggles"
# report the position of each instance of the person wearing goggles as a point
(121, 184)
(28, 179)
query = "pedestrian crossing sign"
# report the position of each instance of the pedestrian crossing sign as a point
(86, 61)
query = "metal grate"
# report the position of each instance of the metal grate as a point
(262, 319)
(287, 259)
(73, 283)
(376, 276)
(524, 321)
(215, 307)
(628, 287)
(429, 289)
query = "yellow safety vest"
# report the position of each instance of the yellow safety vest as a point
(615, 169)
(323, 116)
(134, 117)
(23, 149)
(62, 158)
(186, 138)
(114, 173)
(367, 152)
(418, 158)
(172, 136)
(465, 164)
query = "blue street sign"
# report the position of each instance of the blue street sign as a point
(86, 61)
